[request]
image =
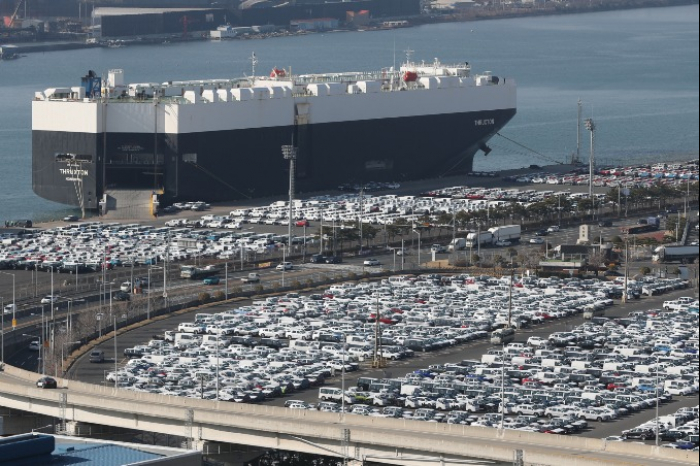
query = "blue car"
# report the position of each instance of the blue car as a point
(211, 281)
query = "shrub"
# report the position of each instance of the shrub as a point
(204, 297)
(219, 296)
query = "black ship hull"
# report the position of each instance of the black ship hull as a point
(229, 165)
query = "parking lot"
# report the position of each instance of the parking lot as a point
(436, 360)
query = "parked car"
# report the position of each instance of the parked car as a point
(121, 296)
(371, 262)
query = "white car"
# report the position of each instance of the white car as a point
(284, 266)
(536, 341)
(48, 299)
(9, 309)
(503, 243)
(536, 240)
(553, 229)
(34, 345)
(371, 262)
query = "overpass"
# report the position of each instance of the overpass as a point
(393, 441)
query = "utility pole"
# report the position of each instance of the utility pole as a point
(290, 153)
(627, 268)
(590, 126)
(578, 133)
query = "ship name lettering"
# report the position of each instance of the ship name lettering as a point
(73, 171)
(485, 122)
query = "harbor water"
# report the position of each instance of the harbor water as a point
(635, 71)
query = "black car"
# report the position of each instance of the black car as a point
(121, 296)
(70, 218)
(541, 233)
(318, 259)
(672, 435)
(333, 260)
(605, 223)
(47, 382)
(642, 434)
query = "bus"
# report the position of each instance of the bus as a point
(502, 336)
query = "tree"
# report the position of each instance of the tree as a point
(475, 259)
(596, 260)
(645, 270)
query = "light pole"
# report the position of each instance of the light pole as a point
(657, 401)
(284, 256)
(417, 233)
(590, 126)
(290, 153)
(226, 280)
(2, 333)
(14, 304)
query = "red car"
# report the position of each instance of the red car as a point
(303, 223)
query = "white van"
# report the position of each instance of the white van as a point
(330, 394)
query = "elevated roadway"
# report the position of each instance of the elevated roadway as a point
(392, 441)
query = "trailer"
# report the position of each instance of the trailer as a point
(506, 233)
(681, 254)
(483, 238)
(196, 273)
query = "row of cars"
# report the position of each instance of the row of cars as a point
(679, 429)
(274, 347)
(550, 385)
(630, 177)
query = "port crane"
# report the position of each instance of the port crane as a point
(11, 23)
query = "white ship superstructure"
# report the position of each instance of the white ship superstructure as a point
(220, 139)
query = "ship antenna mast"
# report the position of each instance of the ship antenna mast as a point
(408, 53)
(253, 63)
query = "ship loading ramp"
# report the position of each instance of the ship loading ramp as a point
(133, 204)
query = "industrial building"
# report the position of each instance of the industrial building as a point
(125, 22)
(36, 449)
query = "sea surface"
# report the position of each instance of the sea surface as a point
(635, 71)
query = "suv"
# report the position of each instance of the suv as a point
(333, 260)
(605, 223)
(97, 356)
(284, 266)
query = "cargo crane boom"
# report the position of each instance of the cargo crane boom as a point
(11, 24)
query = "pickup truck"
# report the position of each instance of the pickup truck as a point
(251, 278)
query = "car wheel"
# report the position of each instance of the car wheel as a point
(599, 419)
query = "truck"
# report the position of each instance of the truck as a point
(506, 233)
(197, 273)
(251, 278)
(457, 244)
(475, 239)
(681, 254)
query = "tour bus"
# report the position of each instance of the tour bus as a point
(502, 336)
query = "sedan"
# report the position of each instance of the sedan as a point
(371, 262)
(46, 382)
(211, 281)
(70, 218)
(284, 266)
(536, 240)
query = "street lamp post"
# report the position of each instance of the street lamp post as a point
(590, 126)
(14, 303)
(290, 153)
(417, 233)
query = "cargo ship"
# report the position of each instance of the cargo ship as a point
(226, 139)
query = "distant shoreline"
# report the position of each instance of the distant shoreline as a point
(468, 15)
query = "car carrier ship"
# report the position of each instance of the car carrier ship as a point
(223, 139)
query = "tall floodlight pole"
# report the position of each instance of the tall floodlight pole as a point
(590, 126)
(14, 303)
(290, 153)
(578, 132)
